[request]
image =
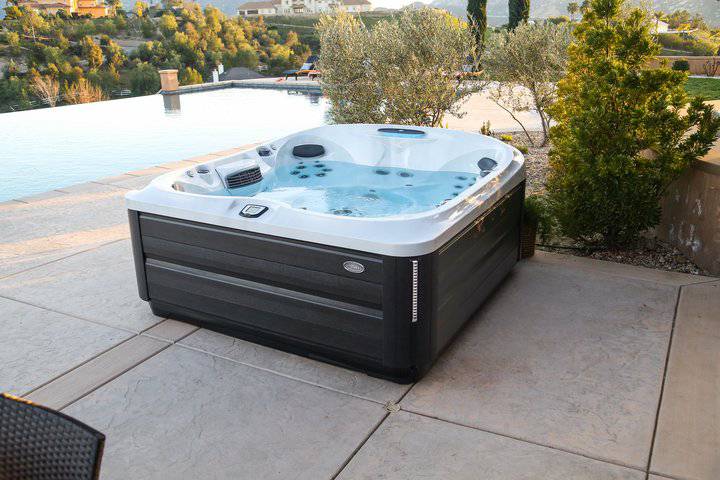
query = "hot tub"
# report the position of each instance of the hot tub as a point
(367, 246)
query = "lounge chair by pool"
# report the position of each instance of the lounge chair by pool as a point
(308, 69)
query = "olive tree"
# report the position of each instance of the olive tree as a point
(403, 71)
(522, 67)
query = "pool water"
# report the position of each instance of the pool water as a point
(51, 148)
(348, 189)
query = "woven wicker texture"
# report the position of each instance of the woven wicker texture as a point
(37, 443)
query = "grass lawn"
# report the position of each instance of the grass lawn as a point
(705, 87)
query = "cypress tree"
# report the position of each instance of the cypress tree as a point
(477, 16)
(519, 11)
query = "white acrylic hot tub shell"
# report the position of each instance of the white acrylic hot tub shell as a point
(402, 235)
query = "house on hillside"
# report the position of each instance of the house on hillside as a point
(250, 9)
(296, 7)
(356, 6)
(660, 27)
(94, 8)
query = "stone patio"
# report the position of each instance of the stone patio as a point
(575, 369)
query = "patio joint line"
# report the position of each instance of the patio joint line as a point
(162, 319)
(165, 347)
(640, 277)
(664, 381)
(75, 367)
(62, 258)
(285, 375)
(109, 185)
(700, 283)
(668, 476)
(372, 432)
(71, 315)
(160, 350)
(531, 442)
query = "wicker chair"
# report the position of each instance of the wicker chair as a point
(37, 443)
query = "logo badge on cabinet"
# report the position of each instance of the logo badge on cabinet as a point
(354, 267)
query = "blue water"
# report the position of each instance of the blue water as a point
(356, 190)
(51, 148)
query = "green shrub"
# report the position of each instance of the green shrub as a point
(190, 76)
(522, 148)
(485, 128)
(681, 66)
(506, 138)
(537, 213)
(144, 79)
(623, 132)
(697, 43)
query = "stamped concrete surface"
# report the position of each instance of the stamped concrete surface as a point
(37, 345)
(98, 286)
(287, 364)
(45, 228)
(409, 446)
(687, 444)
(559, 376)
(187, 414)
(566, 358)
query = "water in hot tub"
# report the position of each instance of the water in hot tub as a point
(353, 190)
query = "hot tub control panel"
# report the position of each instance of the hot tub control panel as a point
(252, 211)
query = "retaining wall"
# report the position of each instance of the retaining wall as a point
(696, 63)
(691, 212)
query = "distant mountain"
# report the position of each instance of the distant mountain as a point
(498, 9)
(414, 6)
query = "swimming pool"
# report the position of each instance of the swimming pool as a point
(51, 148)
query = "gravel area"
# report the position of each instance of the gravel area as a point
(653, 254)
(536, 160)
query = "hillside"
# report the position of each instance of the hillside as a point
(498, 9)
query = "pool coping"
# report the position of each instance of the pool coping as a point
(152, 170)
(277, 84)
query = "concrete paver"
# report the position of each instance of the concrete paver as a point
(63, 224)
(568, 356)
(409, 446)
(97, 372)
(187, 414)
(37, 345)
(98, 285)
(308, 370)
(687, 443)
(562, 357)
(621, 270)
(170, 330)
